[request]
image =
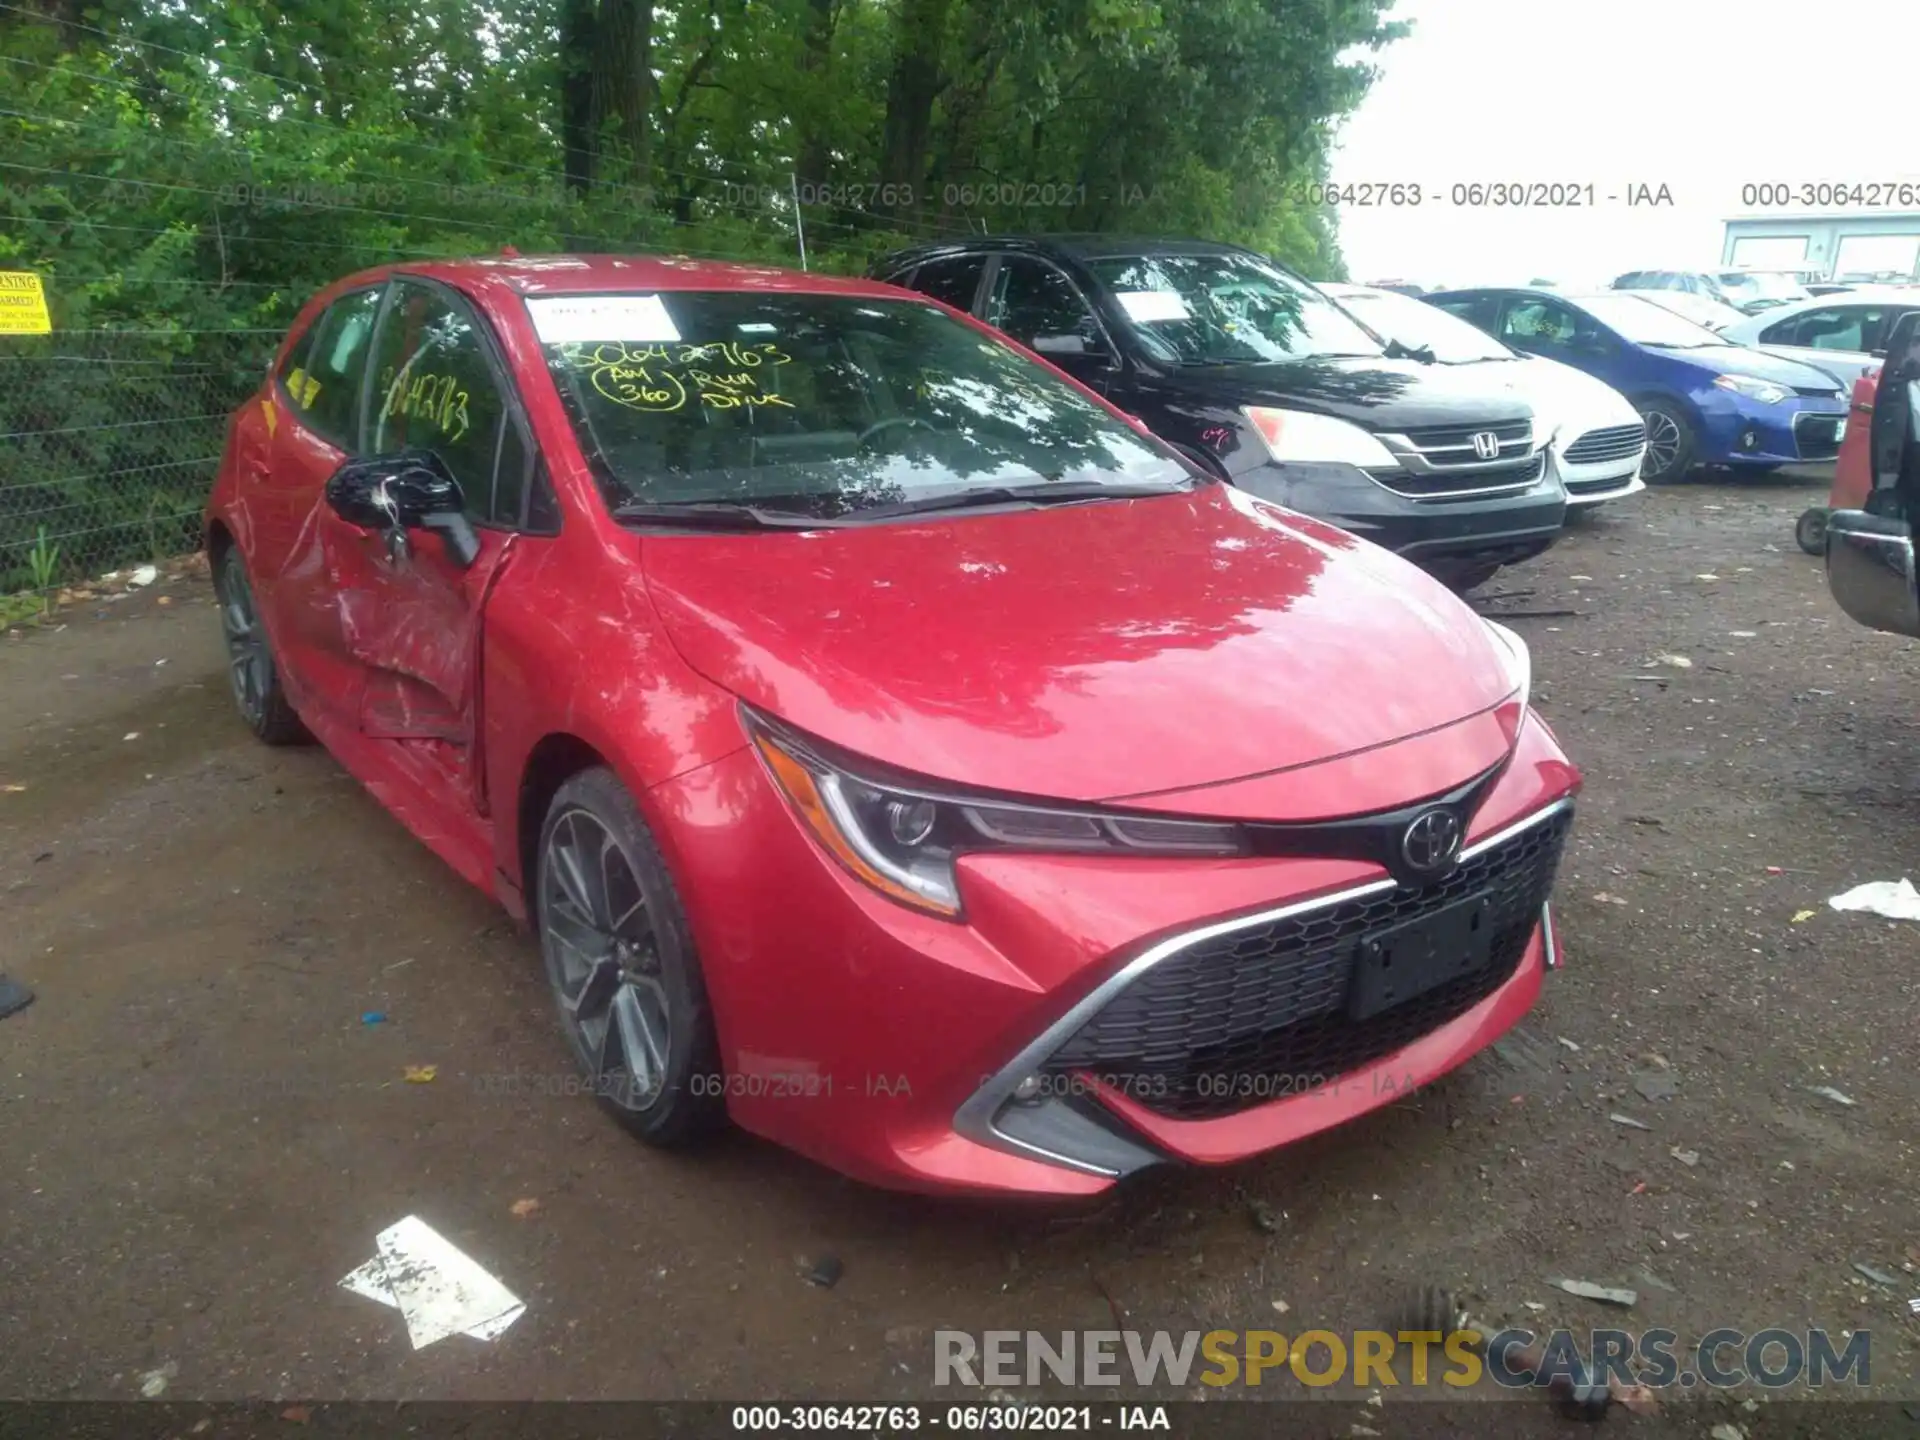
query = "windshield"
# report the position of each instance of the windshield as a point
(823, 405)
(1228, 310)
(1761, 285)
(1416, 324)
(1646, 323)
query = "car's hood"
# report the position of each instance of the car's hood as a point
(1080, 652)
(1745, 360)
(1370, 391)
(1561, 395)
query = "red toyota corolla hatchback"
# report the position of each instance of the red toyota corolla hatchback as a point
(896, 748)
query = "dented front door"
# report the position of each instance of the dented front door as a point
(411, 613)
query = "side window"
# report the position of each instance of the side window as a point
(322, 381)
(434, 389)
(1882, 330)
(1787, 332)
(952, 281)
(1539, 322)
(1030, 298)
(513, 473)
(1474, 309)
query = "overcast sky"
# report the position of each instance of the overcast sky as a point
(1702, 96)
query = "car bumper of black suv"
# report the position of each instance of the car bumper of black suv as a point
(1498, 522)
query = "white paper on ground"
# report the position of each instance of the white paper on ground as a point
(1895, 899)
(438, 1288)
(589, 319)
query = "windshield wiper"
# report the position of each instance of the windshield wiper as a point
(1045, 492)
(718, 515)
(1423, 353)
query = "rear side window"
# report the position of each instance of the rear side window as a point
(1031, 298)
(435, 389)
(1474, 309)
(953, 281)
(322, 381)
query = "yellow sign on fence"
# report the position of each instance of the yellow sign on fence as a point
(23, 304)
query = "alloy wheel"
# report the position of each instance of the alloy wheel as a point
(603, 960)
(1663, 443)
(249, 664)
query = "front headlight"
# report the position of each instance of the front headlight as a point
(1767, 392)
(1519, 658)
(903, 841)
(1299, 437)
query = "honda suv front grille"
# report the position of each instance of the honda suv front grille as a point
(1454, 444)
(1462, 484)
(1257, 1014)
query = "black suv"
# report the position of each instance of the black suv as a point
(1261, 379)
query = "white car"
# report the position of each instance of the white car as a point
(1597, 440)
(1701, 309)
(1844, 334)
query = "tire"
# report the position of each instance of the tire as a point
(251, 668)
(1468, 577)
(620, 962)
(1810, 530)
(1676, 442)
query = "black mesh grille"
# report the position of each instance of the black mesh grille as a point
(1405, 482)
(1258, 1014)
(1813, 435)
(1618, 442)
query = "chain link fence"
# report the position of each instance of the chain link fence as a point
(109, 440)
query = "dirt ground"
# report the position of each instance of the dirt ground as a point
(199, 1135)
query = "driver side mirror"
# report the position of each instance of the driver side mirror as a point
(412, 490)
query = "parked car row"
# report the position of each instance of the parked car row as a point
(897, 747)
(1749, 291)
(1704, 399)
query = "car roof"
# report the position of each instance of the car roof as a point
(602, 274)
(1073, 246)
(1852, 295)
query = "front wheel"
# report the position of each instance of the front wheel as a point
(620, 962)
(1670, 442)
(1468, 577)
(1810, 531)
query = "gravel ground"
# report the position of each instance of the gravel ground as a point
(199, 1136)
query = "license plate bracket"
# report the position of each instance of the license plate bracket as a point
(1401, 962)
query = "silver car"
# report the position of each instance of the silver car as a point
(1844, 334)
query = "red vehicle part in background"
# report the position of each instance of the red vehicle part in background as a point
(1852, 470)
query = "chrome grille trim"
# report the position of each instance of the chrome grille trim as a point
(975, 1118)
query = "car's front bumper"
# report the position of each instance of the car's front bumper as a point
(1458, 529)
(1614, 474)
(889, 1044)
(1739, 431)
(1870, 570)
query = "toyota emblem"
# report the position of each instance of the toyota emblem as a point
(1486, 444)
(1431, 842)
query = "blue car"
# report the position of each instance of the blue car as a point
(1705, 401)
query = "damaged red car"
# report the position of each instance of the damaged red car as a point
(897, 750)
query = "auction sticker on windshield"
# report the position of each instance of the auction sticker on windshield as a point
(633, 319)
(1147, 306)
